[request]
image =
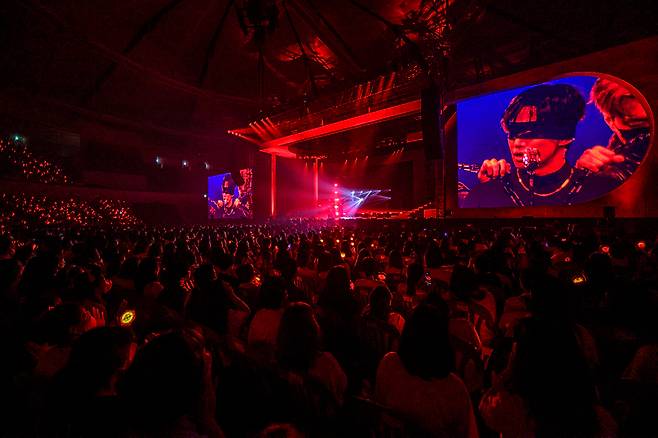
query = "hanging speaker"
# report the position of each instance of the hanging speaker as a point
(430, 119)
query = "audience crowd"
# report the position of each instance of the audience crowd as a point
(311, 329)
(39, 210)
(16, 160)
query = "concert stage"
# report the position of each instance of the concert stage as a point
(380, 156)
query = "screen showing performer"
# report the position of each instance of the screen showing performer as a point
(230, 195)
(565, 142)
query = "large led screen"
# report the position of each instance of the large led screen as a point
(563, 142)
(230, 195)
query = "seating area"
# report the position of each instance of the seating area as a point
(304, 329)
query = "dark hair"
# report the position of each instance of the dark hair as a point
(272, 293)
(129, 267)
(610, 97)
(204, 276)
(221, 259)
(324, 261)
(164, 382)
(303, 257)
(56, 327)
(380, 303)
(147, 272)
(209, 306)
(368, 266)
(245, 273)
(6, 245)
(298, 340)
(414, 274)
(463, 282)
(95, 358)
(338, 280)
(433, 257)
(395, 259)
(425, 349)
(288, 268)
(551, 374)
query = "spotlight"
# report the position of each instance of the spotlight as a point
(185, 164)
(206, 165)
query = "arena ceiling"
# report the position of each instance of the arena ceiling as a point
(194, 69)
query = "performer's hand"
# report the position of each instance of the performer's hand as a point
(220, 204)
(236, 203)
(492, 169)
(597, 158)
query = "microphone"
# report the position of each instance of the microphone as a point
(531, 160)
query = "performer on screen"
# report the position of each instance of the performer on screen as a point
(540, 124)
(630, 126)
(230, 207)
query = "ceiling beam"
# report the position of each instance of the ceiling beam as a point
(146, 28)
(212, 44)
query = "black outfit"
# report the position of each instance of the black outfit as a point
(567, 186)
(232, 212)
(633, 150)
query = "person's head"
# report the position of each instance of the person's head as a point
(338, 280)
(165, 381)
(7, 247)
(272, 293)
(303, 258)
(620, 108)
(433, 257)
(96, 359)
(550, 373)
(395, 259)
(209, 305)
(380, 302)
(368, 266)
(463, 282)
(425, 349)
(147, 272)
(245, 273)
(204, 276)
(324, 261)
(298, 340)
(63, 324)
(288, 268)
(414, 275)
(220, 258)
(540, 124)
(129, 268)
(550, 297)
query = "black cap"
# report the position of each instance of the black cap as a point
(549, 111)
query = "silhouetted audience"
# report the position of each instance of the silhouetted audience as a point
(309, 328)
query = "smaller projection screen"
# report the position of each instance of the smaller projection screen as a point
(564, 142)
(230, 195)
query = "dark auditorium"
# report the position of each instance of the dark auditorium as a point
(328, 218)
